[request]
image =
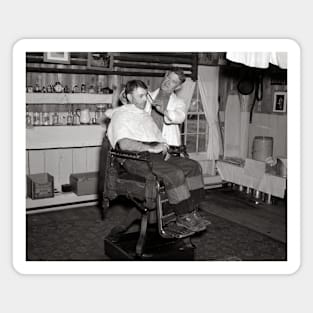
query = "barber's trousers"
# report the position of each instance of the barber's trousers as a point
(182, 178)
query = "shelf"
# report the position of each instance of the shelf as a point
(59, 199)
(50, 137)
(67, 98)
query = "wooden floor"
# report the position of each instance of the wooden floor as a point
(236, 206)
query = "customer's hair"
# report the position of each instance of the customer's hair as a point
(179, 72)
(134, 84)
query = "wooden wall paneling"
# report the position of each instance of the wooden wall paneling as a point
(52, 157)
(279, 124)
(27, 162)
(205, 167)
(65, 165)
(93, 155)
(79, 160)
(27, 170)
(36, 161)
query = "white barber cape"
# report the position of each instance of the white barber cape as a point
(130, 122)
(177, 111)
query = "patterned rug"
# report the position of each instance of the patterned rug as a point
(78, 235)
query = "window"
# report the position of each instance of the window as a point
(195, 128)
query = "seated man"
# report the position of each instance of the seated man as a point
(132, 128)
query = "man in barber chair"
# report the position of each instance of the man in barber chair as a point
(133, 129)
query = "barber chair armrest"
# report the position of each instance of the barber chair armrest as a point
(131, 155)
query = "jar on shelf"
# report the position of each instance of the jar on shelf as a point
(51, 118)
(91, 89)
(76, 118)
(56, 119)
(70, 118)
(100, 113)
(75, 89)
(45, 119)
(28, 119)
(40, 118)
(36, 119)
(37, 88)
(83, 88)
(58, 87)
(66, 89)
(49, 88)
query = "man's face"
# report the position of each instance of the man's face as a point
(139, 97)
(170, 82)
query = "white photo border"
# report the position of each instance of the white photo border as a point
(291, 265)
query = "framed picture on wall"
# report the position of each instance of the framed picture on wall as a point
(57, 57)
(280, 101)
(100, 60)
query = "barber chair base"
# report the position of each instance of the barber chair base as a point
(156, 248)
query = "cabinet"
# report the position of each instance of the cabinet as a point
(64, 149)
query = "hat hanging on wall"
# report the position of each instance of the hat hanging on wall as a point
(246, 85)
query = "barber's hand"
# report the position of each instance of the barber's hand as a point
(157, 104)
(160, 147)
(167, 115)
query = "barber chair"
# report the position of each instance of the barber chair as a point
(158, 238)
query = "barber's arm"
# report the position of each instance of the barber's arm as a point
(134, 145)
(176, 115)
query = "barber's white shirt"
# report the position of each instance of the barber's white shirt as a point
(177, 111)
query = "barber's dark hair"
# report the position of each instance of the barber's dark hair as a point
(132, 85)
(180, 73)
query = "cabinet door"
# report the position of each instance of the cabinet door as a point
(52, 166)
(65, 165)
(79, 160)
(36, 161)
(93, 159)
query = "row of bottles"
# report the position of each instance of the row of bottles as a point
(59, 88)
(71, 117)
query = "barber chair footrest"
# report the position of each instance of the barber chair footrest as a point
(156, 248)
(174, 231)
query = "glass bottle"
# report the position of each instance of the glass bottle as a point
(45, 119)
(100, 113)
(55, 118)
(70, 118)
(36, 120)
(76, 117)
(28, 119)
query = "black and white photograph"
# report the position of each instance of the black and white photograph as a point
(159, 156)
(280, 102)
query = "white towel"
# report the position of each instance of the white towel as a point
(130, 122)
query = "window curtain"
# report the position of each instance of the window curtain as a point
(259, 59)
(186, 92)
(208, 77)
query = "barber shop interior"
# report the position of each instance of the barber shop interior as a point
(156, 156)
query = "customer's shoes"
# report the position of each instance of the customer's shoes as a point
(190, 222)
(200, 218)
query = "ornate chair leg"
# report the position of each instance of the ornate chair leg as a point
(132, 216)
(104, 205)
(142, 235)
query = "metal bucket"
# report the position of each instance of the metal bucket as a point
(262, 148)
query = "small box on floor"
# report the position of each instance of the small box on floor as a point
(40, 186)
(84, 183)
